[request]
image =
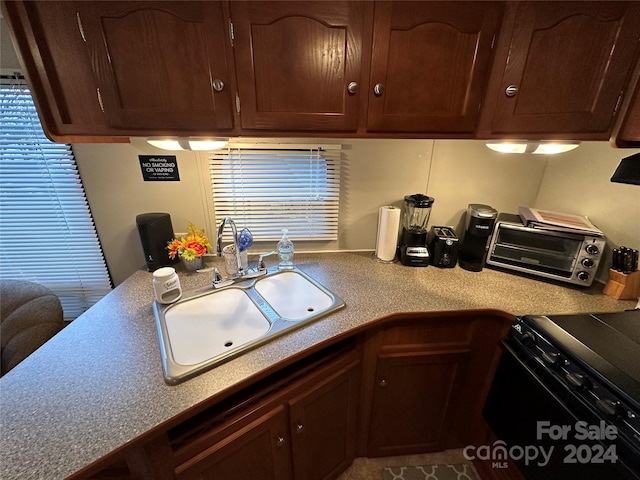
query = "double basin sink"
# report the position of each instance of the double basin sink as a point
(207, 326)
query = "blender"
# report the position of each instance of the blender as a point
(413, 240)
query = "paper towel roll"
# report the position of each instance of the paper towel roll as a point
(387, 241)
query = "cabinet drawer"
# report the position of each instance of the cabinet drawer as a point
(428, 332)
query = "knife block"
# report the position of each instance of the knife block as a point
(623, 286)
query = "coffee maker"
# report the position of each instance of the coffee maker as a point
(478, 228)
(413, 240)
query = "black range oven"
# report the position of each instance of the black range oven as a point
(565, 401)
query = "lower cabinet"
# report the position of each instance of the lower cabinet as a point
(323, 422)
(308, 434)
(259, 450)
(429, 375)
(414, 399)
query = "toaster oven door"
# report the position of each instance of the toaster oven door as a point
(546, 252)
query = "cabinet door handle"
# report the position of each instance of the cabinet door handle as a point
(99, 95)
(299, 428)
(218, 85)
(511, 91)
(383, 382)
(279, 441)
(378, 89)
(352, 87)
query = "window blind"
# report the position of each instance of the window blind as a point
(47, 234)
(268, 187)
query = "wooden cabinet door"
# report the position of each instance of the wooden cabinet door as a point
(323, 426)
(259, 450)
(160, 65)
(429, 66)
(566, 67)
(415, 399)
(295, 61)
(627, 132)
(48, 40)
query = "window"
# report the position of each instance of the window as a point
(268, 187)
(47, 234)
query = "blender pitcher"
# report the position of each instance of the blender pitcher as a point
(413, 242)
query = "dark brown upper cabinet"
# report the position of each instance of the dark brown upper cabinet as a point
(55, 61)
(160, 65)
(342, 68)
(299, 64)
(430, 64)
(562, 70)
(627, 129)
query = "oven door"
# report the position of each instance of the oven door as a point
(532, 250)
(521, 401)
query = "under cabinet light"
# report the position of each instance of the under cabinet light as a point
(553, 148)
(544, 147)
(165, 143)
(508, 147)
(208, 144)
(187, 143)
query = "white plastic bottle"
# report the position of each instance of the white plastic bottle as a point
(285, 252)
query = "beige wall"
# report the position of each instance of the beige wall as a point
(374, 173)
(579, 182)
(8, 57)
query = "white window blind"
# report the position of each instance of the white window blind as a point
(268, 187)
(47, 234)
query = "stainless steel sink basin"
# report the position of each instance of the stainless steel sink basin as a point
(210, 326)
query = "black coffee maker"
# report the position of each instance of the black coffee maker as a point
(478, 228)
(413, 240)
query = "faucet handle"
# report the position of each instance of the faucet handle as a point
(217, 278)
(261, 265)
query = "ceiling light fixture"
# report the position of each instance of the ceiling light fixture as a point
(538, 148)
(187, 143)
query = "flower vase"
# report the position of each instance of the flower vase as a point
(192, 265)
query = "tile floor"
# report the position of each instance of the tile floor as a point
(371, 468)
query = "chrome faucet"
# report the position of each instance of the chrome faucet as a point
(234, 230)
(240, 274)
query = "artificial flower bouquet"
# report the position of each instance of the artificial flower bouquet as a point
(195, 245)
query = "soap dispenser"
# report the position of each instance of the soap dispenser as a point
(285, 251)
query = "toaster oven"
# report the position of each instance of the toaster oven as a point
(565, 256)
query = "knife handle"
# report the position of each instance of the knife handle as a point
(616, 262)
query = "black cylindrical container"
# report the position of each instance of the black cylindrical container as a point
(156, 232)
(478, 229)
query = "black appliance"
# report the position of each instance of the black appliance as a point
(478, 227)
(443, 247)
(155, 231)
(628, 171)
(413, 240)
(571, 383)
